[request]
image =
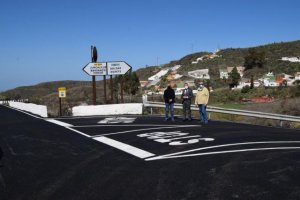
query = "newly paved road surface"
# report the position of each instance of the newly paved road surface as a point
(143, 157)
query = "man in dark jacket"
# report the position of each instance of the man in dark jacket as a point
(186, 96)
(169, 97)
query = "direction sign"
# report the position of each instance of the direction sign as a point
(107, 68)
(95, 69)
(117, 68)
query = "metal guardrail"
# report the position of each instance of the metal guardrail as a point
(247, 113)
(12, 100)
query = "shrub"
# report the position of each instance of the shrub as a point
(245, 89)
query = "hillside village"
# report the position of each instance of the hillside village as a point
(171, 74)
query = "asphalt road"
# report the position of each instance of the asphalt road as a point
(143, 157)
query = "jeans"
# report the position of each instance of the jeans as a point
(169, 108)
(202, 112)
(186, 105)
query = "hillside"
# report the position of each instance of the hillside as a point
(232, 57)
(78, 92)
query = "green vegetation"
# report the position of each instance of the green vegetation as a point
(131, 83)
(254, 59)
(234, 77)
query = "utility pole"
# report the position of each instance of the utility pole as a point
(94, 57)
(104, 87)
(111, 89)
(122, 86)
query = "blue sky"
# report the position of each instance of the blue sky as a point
(48, 40)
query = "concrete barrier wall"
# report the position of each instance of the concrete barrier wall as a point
(29, 107)
(112, 109)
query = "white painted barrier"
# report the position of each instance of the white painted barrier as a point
(112, 109)
(30, 107)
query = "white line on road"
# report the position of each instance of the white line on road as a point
(137, 130)
(136, 125)
(116, 144)
(221, 152)
(179, 154)
(60, 123)
(125, 147)
(81, 133)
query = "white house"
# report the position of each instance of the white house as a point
(269, 80)
(176, 67)
(297, 76)
(240, 70)
(223, 73)
(247, 82)
(289, 79)
(158, 75)
(199, 74)
(291, 59)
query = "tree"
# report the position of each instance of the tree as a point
(117, 82)
(252, 82)
(234, 77)
(134, 83)
(131, 83)
(245, 89)
(254, 59)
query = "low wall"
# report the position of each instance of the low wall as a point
(112, 109)
(30, 107)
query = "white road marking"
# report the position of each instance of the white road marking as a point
(60, 123)
(81, 133)
(137, 130)
(117, 120)
(221, 152)
(125, 147)
(114, 143)
(179, 154)
(136, 125)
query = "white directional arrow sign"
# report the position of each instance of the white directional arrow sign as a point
(117, 68)
(96, 69)
(107, 68)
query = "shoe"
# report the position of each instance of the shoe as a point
(166, 119)
(184, 120)
(173, 120)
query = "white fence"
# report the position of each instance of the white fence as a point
(30, 107)
(110, 109)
